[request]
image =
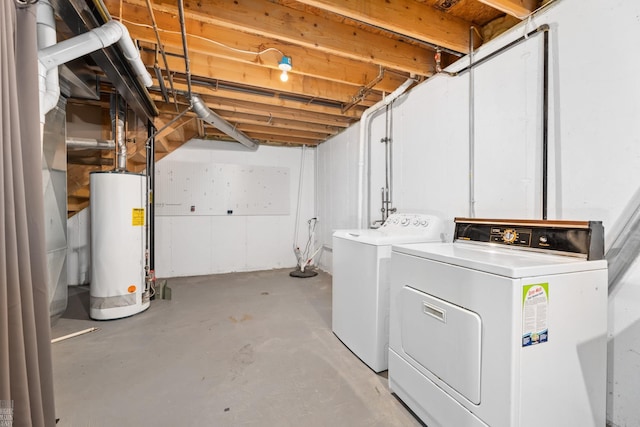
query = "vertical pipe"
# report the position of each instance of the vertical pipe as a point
(296, 250)
(472, 191)
(183, 29)
(545, 123)
(386, 148)
(151, 184)
(362, 150)
(117, 126)
(390, 208)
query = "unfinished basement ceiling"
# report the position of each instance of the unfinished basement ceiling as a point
(346, 55)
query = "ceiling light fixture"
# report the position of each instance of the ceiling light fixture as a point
(285, 65)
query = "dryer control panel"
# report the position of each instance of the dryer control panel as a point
(583, 239)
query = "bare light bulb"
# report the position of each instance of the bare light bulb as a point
(285, 65)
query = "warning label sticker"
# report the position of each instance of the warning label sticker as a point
(535, 306)
(137, 216)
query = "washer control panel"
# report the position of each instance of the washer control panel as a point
(583, 239)
(399, 221)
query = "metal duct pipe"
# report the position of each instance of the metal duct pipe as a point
(183, 32)
(198, 104)
(213, 119)
(51, 56)
(90, 144)
(118, 115)
(49, 79)
(364, 118)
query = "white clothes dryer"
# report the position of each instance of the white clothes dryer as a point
(361, 271)
(504, 327)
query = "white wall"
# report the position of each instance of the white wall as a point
(594, 157)
(195, 245)
(336, 189)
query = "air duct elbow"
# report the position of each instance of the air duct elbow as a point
(213, 119)
(132, 54)
(98, 38)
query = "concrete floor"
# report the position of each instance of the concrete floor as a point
(240, 349)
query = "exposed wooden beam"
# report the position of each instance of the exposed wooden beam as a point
(307, 61)
(164, 130)
(250, 129)
(226, 110)
(275, 21)
(75, 206)
(518, 8)
(78, 176)
(407, 17)
(95, 161)
(280, 123)
(267, 138)
(81, 193)
(258, 76)
(233, 98)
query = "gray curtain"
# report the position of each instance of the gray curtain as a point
(26, 378)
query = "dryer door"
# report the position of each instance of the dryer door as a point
(444, 338)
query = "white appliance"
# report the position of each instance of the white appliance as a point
(361, 260)
(486, 333)
(118, 287)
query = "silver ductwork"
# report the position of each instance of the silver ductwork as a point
(118, 116)
(121, 151)
(213, 119)
(90, 144)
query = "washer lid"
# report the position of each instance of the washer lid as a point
(506, 262)
(380, 237)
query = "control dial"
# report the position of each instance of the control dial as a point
(509, 235)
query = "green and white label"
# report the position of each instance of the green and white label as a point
(535, 308)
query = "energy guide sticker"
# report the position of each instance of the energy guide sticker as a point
(535, 308)
(137, 216)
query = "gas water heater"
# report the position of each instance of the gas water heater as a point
(118, 238)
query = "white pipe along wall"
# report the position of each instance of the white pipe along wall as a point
(363, 141)
(594, 151)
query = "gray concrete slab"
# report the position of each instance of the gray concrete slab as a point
(240, 349)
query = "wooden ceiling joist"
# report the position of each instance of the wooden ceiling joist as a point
(406, 17)
(288, 25)
(338, 50)
(518, 8)
(307, 61)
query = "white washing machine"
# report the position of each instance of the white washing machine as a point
(504, 327)
(361, 270)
